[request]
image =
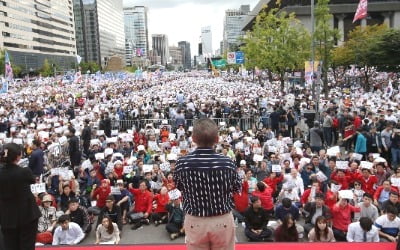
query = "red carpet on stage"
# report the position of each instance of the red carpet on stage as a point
(255, 246)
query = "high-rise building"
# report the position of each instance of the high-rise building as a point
(32, 31)
(87, 30)
(233, 22)
(176, 56)
(111, 29)
(186, 54)
(100, 30)
(160, 47)
(206, 41)
(136, 33)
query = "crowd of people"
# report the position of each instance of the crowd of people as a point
(327, 175)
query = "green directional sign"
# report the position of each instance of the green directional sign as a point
(219, 63)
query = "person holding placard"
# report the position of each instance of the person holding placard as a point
(143, 205)
(19, 213)
(341, 217)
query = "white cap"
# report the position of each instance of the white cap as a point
(242, 162)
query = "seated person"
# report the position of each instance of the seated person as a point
(68, 233)
(176, 217)
(393, 201)
(382, 193)
(388, 225)
(143, 205)
(256, 219)
(313, 210)
(241, 201)
(99, 194)
(107, 232)
(66, 194)
(79, 215)
(309, 194)
(112, 211)
(287, 207)
(160, 214)
(367, 208)
(122, 200)
(47, 221)
(321, 231)
(286, 232)
(362, 231)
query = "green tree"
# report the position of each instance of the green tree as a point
(17, 70)
(2, 61)
(93, 67)
(278, 42)
(361, 49)
(325, 37)
(387, 51)
(46, 69)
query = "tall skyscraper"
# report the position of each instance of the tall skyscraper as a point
(206, 41)
(233, 22)
(107, 16)
(186, 54)
(87, 30)
(176, 56)
(136, 33)
(160, 47)
(32, 31)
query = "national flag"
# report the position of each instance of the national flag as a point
(361, 12)
(8, 73)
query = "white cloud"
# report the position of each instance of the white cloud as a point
(182, 20)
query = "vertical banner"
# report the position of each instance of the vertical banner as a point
(361, 12)
(308, 71)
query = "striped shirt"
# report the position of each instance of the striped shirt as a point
(207, 181)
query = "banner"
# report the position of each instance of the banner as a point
(308, 71)
(8, 73)
(361, 12)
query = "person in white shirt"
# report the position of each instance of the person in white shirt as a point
(388, 225)
(68, 233)
(362, 231)
(296, 180)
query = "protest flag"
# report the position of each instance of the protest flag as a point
(361, 12)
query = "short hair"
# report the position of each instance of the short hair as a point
(261, 186)
(366, 223)
(72, 130)
(205, 132)
(36, 143)
(394, 193)
(63, 218)
(286, 203)
(367, 195)
(391, 210)
(10, 153)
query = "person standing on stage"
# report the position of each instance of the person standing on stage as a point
(208, 181)
(19, 213)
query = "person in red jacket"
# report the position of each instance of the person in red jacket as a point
(264, 192)
(341, 218)
(272, 181)
(309, 194)
(382, 193)
(100, 194)
(241, 201)
(341, 178)
(160, 214)
(143, 205)
(368, 181)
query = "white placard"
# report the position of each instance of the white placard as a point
(115, 191)
(93, 203)
(321, 177)
(239, 145)
(346, 194)
(174, 194)
(147, 168)
(100, 132)
(335, 188)
(165, 166)
(175, 150)
(112, 140)
(171, 136)
(375, 155)
(357, 156)
(380, 159)
(114, 132)
(366, 165)
(38, 188)
(305, 160)
(153, 145)
(276, 168)
(287, 140)
(258, 158)
(128, 169)
(99, 156)
(333, 151)
(395, 182)
(342, 165)
(62, 140)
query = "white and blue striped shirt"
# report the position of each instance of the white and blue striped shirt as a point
(207, 181)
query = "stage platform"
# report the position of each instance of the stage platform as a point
(241, 246)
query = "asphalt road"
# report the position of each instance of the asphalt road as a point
(150, 234)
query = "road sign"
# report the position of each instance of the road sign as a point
(239, 57)
(231, 57)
